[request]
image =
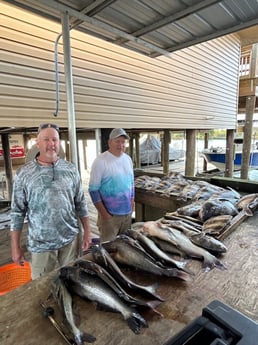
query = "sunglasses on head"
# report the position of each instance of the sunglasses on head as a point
(48, 125)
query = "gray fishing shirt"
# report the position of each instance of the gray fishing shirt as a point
(52, 198)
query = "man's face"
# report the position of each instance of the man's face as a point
(117, 146)
(48, 143)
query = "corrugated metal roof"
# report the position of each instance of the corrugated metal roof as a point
(153, 27)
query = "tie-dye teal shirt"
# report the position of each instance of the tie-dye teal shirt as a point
(53, 199)
(112, 182)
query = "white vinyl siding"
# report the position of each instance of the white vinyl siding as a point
(197, 88)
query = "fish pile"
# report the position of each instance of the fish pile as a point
(214, 215)
(159, 248)
(92, 282)
(210, 207)
(175, 238)
(97, 277)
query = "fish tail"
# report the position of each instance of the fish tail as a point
(210, 262)
(174, 272)
(248, 212)
(136, 322)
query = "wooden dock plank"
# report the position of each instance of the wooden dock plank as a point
(22, 322)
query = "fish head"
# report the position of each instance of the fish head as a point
(88, 266)
(68, 272)
(132, 233)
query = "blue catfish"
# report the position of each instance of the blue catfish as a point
(178, 240)
(89, 286)
(64, 301)
(127, 251)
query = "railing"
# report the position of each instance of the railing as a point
(244, 65)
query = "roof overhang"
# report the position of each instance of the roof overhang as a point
(151, 27)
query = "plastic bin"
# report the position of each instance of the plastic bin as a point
(12, 276)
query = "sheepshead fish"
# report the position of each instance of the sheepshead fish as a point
(248, 203)
(228, 194)
(91, 287)
(216, 207)
(185, 227)
(176, 187)
(64, 301)
(183, 243)
(191, 210)
(206, 191)
(101, 256)
(215, 225)
(155, 251)
(94, 268)
(126, 251)
(147, 182)
(188, 191)
(163, 186)
(194, 222)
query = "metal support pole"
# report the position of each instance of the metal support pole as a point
(69, 89)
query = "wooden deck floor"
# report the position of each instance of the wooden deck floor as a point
(236, 286)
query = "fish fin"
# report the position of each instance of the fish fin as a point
(102, 307)
(151, 289)
(83, 337)
(136, 322)
(152, 305)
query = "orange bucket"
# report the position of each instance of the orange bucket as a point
(12, 276)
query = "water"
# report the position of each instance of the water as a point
(199, 144)
(221, 143)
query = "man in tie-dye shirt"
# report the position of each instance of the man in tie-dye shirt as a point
(111, 187)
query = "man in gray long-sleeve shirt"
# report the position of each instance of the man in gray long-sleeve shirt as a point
(48, 189)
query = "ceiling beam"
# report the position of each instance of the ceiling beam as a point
(93, 9)
(95, 22)
(218, 33)
(171, 18)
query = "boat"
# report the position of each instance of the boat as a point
(217, 156)
(150, 151)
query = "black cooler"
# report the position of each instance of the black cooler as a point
(218, 325)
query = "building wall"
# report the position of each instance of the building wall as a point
(195, 88)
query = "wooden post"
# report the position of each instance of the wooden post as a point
(229, 159)
(130, 148)
(190, 152)
(165, 149)
(250, 105)
(206, 146)
(137, 151)
(84, 145)
(8, 164)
